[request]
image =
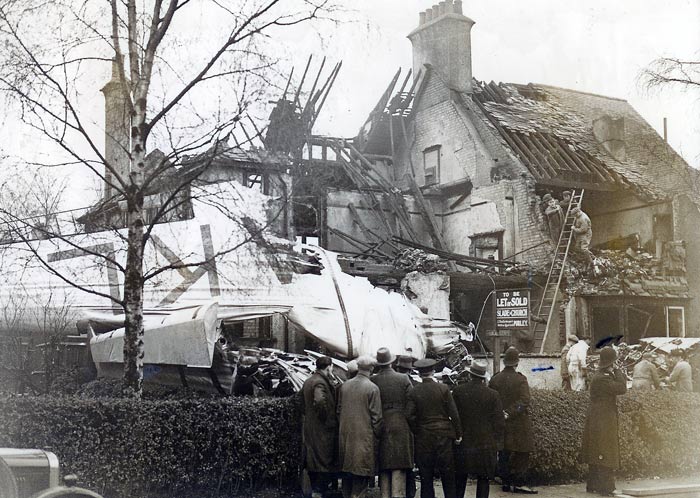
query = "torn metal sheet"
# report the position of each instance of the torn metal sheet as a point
(185, 337)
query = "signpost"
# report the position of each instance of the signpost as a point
(511, 311)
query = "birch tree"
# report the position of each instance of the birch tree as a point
(188, 72)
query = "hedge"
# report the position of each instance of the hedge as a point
(126, 448)
(658, 434)
(194, 447)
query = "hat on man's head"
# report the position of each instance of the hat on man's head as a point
(405, 361)
(384, 357)
(477, 369)
(511, 357)
(546, 197)
(575, 210)
(572, 338)
(566, 193)
(352, 367)
(424, 366)
(607, 357)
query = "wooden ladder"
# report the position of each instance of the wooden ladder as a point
(547, 306)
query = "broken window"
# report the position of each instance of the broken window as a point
(256, 180)
(486, 246)
(675, 321)
(247, 332)
(431, 165)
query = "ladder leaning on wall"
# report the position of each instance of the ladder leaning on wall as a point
(545, 310)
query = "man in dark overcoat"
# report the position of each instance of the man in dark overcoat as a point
(396, 442)
(433, 417)
(320, 426)
(600, 448)
(518, 442)
(481, 415)
(361, 425)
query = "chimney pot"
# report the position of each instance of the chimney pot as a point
(449, 7)
(421, 18)
(458, 7)
(443, 7)
(428, 15)
(436, 11)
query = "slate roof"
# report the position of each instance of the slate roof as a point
(551, 130)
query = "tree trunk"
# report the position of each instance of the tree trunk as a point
(133, 295)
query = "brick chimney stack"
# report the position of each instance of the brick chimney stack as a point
(117, 129)
(443, 40)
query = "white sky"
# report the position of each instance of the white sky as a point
(597, 46)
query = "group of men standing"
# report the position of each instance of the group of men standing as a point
(384, 423)
(645, 376)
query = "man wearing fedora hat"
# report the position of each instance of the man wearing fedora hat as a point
(514, 391)
(396, 441)
(433, 417)
(481, 415)
(600, 448)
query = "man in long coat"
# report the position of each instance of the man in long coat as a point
(320, 427)
(514, 392)
(396, 441)
(600, 448)
(435, 423)
(360, 414)
(483, 423)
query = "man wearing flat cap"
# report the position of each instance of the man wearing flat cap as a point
(396, 441)
(600, 448)
(433, 417)
(645, 376)
(360, 417)
(481, 415)
(514, 391)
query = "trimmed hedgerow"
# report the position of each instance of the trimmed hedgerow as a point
(127, 447)
(658, 434)
(193, 447)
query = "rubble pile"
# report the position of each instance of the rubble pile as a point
(614, 272)
(418, 260)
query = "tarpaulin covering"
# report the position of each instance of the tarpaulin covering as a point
(668, 344)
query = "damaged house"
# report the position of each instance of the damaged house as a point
(458, 167)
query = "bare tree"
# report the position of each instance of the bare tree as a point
(667, 71)
(181, 100)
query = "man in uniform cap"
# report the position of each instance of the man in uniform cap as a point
(396, 441)
(360, 416)
(514, 392)
(433, 417)
(481, 416)
(320, 434)
(565, 200)
(601, 449)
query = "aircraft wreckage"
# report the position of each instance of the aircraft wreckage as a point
(249, 273)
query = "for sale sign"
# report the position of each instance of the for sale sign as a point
(512, 309)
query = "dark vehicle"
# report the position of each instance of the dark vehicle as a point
(35, 474)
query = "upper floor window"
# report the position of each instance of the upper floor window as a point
(431, 165)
